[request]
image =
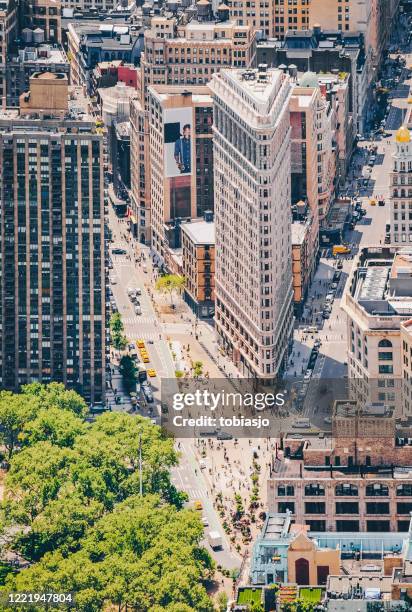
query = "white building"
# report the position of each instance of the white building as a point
(253, 218)
(378, 305)
(401, 189)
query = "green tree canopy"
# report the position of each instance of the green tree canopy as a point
(170, 284)
(117, 336)
(72, 507)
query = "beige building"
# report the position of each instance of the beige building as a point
(191, 53)
(198, 255)
(46, 15)
(273, 18)
(140, 171)
(377, 301)
(44, 99)
(179, 53)
(253, 217)
(401, 189)
(180, 134)
(317, 106)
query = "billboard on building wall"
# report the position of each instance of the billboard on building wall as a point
(178, 146)
(178, 152)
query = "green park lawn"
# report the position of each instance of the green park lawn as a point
(248, 596)
(311, 595)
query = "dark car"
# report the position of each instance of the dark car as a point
(119, 251)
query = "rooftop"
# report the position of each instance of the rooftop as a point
(78, 109)
(43, 54)
(200, 232)
(381, 281)
(299, 231)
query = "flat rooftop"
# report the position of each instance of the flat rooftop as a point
(78, 109)
(299, 231)
(200, 232)
(381, 281)
(258, 85)
(43, 54)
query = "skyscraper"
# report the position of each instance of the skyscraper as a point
(253, 218)
(52, 300)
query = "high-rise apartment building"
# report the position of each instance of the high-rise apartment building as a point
(52, 277)
(253, 218)
(401, 189)
(8, 32)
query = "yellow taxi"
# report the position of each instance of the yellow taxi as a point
(140, 344)
(372, 202)
(197, 504)
(151, 372)
(145, 358)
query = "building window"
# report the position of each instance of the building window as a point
(347, 525)
(314, 489)
(286, 491)
(377, 490)
(315, 507)
(318, 525)
(344, 490)
(404, 490)
(404, 507)
(347, 508)
(285, 506)
(375, 526)
(377, 507)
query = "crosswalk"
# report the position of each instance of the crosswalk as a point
(197, 493)
(331, 337)
(138, 319)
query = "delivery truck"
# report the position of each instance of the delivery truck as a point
(214, 539)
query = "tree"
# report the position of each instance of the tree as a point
(129, 373)
(119, 340)
(170, 284)
(73, 506)
(222, 601)
(143, 555)
(15, 412)
(198, 369)
(53, 425)
(56, 395)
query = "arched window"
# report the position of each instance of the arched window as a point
(384, 343)
(314, 489)
(377, 490)
(343, 490)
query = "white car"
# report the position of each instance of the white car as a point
(137, 310)
(113, 280)
(308, 375)
(205, 521)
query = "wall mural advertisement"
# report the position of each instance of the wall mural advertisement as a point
(178, 150)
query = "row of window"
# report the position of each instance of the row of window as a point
(347, 490)
(381, 508)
